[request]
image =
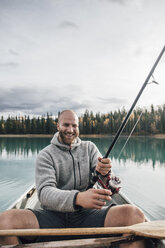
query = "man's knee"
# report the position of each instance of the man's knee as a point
(14, 218)
(133, 214)
(7, 219)
(124, 215)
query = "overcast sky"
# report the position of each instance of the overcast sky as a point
(79, 54)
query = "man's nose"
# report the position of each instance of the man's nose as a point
(70, 129)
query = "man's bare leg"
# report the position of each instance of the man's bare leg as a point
(125, 215)
(16, 219)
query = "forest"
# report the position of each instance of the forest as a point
(152, 121)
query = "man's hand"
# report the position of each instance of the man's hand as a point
(93, 198)
(103, 166)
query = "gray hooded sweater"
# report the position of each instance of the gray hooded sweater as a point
(62, 171)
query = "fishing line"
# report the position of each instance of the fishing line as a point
(130, 134)
(152, 82)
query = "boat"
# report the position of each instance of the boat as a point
(30, 200)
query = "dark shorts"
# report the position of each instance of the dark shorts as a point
(81, 218)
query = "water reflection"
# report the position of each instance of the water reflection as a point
(138, 149)
(22, 146)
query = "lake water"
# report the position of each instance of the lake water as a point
(141, 165)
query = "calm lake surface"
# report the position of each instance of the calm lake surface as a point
(141, 165)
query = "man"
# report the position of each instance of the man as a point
(63, 172)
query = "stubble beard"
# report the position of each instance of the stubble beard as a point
(68, 141)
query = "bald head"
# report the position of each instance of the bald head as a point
(67, 113)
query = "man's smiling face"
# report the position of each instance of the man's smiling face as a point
(68, 127)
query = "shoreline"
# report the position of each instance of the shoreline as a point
(158, 136)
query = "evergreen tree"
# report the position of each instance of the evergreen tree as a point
(8, 125)
(2, 126)
(33, 127)
(28, 125)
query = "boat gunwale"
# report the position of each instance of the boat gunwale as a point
(20, 199)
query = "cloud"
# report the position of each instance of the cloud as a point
(9, 64)
(67, 24)
(122, 2)
(118, 1)
(125, 2)
(12, 52)
(112, 100)
(36, 101)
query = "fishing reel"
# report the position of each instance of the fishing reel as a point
(109, 181)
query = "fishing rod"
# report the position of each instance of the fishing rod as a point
(96, 173)
(134, 103)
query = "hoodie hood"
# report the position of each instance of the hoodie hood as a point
(56, 142)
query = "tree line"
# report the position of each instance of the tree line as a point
(152, 121)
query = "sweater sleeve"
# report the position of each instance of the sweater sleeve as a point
(49, 195)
